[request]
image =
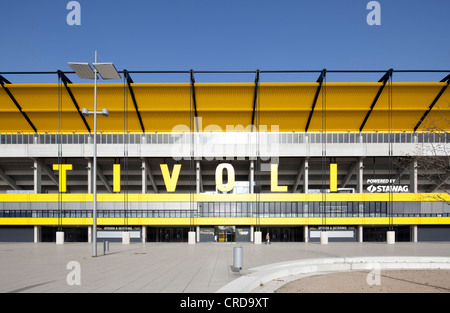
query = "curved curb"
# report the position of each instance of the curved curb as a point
(266, 273)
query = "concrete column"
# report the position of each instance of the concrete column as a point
(414, 233)
(251, 177)
(306, 233)
(144, 234)
(144, 176)
(255, 237)
(413, 177)
(197, 177)
(37, 233)
(360, 176)
(89, 234)
(37, 177)
(306, 176)
(89, 169)
(59, 237)
(126, 238)
(360, 233)
(194, 236)
(390, 237)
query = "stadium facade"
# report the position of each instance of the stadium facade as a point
(226, 162)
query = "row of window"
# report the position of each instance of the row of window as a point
(292, 209)
(238, 209)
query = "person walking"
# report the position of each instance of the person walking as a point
(267, 238)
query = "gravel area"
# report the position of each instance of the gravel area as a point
(385, 281)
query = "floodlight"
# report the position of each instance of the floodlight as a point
(107, 70)
(83, 70)
(103, 112)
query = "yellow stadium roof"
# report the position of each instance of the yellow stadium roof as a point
(299, 107)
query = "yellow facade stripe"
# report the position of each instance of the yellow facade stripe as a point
(50, 221)
(263, 221)
(263, 197)
(65, 197)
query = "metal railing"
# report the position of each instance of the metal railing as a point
(225, 138)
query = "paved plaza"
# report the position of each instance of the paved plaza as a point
(166, 267)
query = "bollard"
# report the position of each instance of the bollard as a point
(105, 247)
(237, 259)
(324, 237)
(390, 237)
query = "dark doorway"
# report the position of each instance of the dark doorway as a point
(167, 234)
(71, 234)
(378, 234)
(283, 234)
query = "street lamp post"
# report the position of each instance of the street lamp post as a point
(106, 71)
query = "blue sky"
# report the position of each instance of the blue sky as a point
(227, 35)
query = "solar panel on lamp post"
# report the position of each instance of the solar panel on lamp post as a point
(85, 71)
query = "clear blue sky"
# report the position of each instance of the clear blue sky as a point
(227, 35)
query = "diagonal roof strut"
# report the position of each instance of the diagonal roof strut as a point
(66, 81)
(129, 82)
(383, 80)
(445, 79)
(4, 81)
(194, 98)
(316, 96)
(255, 97)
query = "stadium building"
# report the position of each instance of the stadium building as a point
(225, 162)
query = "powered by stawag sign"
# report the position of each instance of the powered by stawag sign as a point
(385, 185)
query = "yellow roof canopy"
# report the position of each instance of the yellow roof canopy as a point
(160, 107)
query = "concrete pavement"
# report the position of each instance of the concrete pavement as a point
(166, 267)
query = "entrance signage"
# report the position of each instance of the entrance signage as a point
(171, 179)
